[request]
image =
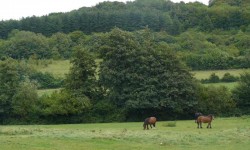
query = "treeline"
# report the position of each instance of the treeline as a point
(158, 15)
(135, 78)
(198, 50)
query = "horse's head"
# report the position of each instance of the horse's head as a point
(211, 116)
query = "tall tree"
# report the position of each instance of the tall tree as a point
(8, 86)
(81, 79)
(140, 75)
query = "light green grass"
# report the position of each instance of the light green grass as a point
(206, 73)
(56, 67)
(230, 85)
(227, 133)
(61, 67)
(46, 91)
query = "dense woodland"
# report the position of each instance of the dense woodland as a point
(129, 60)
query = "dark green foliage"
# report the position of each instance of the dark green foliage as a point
(158, 15)
(137, 74)
(63, 103)
(81, 79)
(103, 111)
(25, 100)
(215, 79)
(229, 78)
(17, 94)
(241, 94)
(215, 100)
(8, 85)
(61, 45)
(141, 75)
(46, 80)
(24, 44)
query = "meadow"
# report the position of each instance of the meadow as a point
(205, 74)
(61, 67)
(226, 133)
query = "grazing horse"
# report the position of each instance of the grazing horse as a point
(149, 121)
(205, 119)
(196, 115)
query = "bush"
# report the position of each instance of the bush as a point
(215, 100)
(46, 80)
(229, 78)
(170, 124)
(214, 78)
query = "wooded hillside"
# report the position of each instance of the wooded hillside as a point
(158, 15)
(128, 61)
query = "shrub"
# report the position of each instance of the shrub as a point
(170, 124)
(229, 78)
(214, 78)
(215, 100)
(46, 80)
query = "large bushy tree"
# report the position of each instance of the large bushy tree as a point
(17, 96)
(25, 100)
(24, 44)
(138, 74)
(215, 100)
(81, 79)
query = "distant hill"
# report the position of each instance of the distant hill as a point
(158, 15)
(241, 3)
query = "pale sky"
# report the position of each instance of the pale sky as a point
(16, 9)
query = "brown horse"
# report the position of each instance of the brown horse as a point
(149, 121)
(205, 119)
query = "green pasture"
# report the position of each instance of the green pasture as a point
(46, 91)
(229, 85)
(227, 133)
(56, 67)
(61, 67)
(205, 74)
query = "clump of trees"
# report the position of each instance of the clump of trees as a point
(129, 61)
(133, 78)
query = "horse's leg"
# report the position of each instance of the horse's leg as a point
(147, 126)
(154, 124)
(150, 126)
(197, 124)
(200, 124)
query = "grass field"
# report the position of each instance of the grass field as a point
(61, 67)
(230, 85)
(206, 73)
(46, 91)
(227, 133)
(57, 67)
